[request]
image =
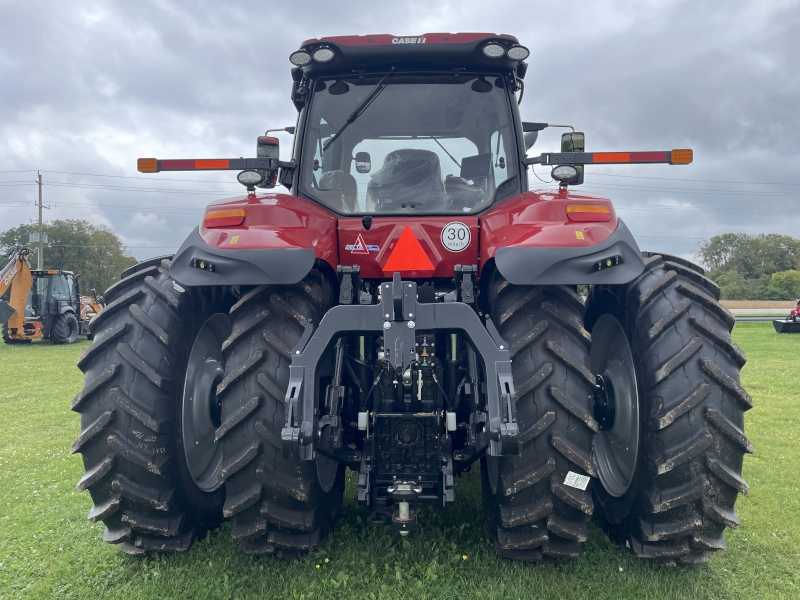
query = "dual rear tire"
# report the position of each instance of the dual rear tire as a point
(646, 416)
(167, 431)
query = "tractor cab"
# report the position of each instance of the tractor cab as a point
(414, 126)
(51, 290)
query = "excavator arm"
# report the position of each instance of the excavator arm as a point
(16, 275)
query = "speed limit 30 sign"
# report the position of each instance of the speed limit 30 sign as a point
(455, 236)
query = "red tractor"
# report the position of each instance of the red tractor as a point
(408, 309)
(789, 324)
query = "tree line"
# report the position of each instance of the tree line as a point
(753, 267)
(91, 251)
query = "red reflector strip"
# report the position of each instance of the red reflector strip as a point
(176, 165)
(611, 157)
(211, 164)
(193, 165)
(645, 157)
(630, 157)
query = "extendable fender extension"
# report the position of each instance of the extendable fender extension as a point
(396, 319)
(197, 263)
(614, 261)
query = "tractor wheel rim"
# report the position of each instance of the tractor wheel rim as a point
(200, 412)
(616, 448)
(72, 330)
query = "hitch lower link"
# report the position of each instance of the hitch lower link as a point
(397, 317)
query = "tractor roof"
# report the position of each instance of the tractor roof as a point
(429, 51)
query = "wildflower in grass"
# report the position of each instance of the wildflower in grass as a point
(463, 557)
(327, 560)
(318, 566)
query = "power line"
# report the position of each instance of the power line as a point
(119, 176)
(133, 189)
(693, 190)
(697, 180)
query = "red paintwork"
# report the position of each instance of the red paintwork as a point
(540, 219)
(384, 39)
(385, 233)
(277, 221)
(529, 219)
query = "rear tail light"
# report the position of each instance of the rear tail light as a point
(588, 212)
(224, 218)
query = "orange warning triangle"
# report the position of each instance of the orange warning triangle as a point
(409, 257)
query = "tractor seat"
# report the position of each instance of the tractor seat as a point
(342, 187)
(409, 179)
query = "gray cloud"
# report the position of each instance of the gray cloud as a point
(87, 87)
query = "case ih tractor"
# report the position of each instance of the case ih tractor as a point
(407, 309)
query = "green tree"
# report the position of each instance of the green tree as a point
(752, 256)
(785, 285)
(94, 252)
(733, 286)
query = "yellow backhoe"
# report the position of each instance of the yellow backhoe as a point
(43, 303)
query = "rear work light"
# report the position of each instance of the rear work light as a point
(323, 55)
(588, 212)
(518, 53)
(224, 218)
(300, 58)
(493, 50)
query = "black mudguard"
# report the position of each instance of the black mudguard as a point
(573, 266)
(268, 266)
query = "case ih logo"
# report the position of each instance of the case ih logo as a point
(360, 247)
(415, 40)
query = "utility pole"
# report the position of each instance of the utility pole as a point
(41, 239)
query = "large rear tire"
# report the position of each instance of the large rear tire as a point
(680, 493)
(65, 329)
(531, 509)
(139, 405)
(282, 507)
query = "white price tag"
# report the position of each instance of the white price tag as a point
(576, 480)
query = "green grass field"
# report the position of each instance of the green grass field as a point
(49, 550)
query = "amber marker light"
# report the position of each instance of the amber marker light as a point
(224, 218)
(681, 157)
(147, 165)
(588, 212)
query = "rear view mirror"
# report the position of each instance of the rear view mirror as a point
(476, 167)
(574, 142)
(530, 139)
(268, 147)
(363, 162)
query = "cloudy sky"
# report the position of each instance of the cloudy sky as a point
(87, 87)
